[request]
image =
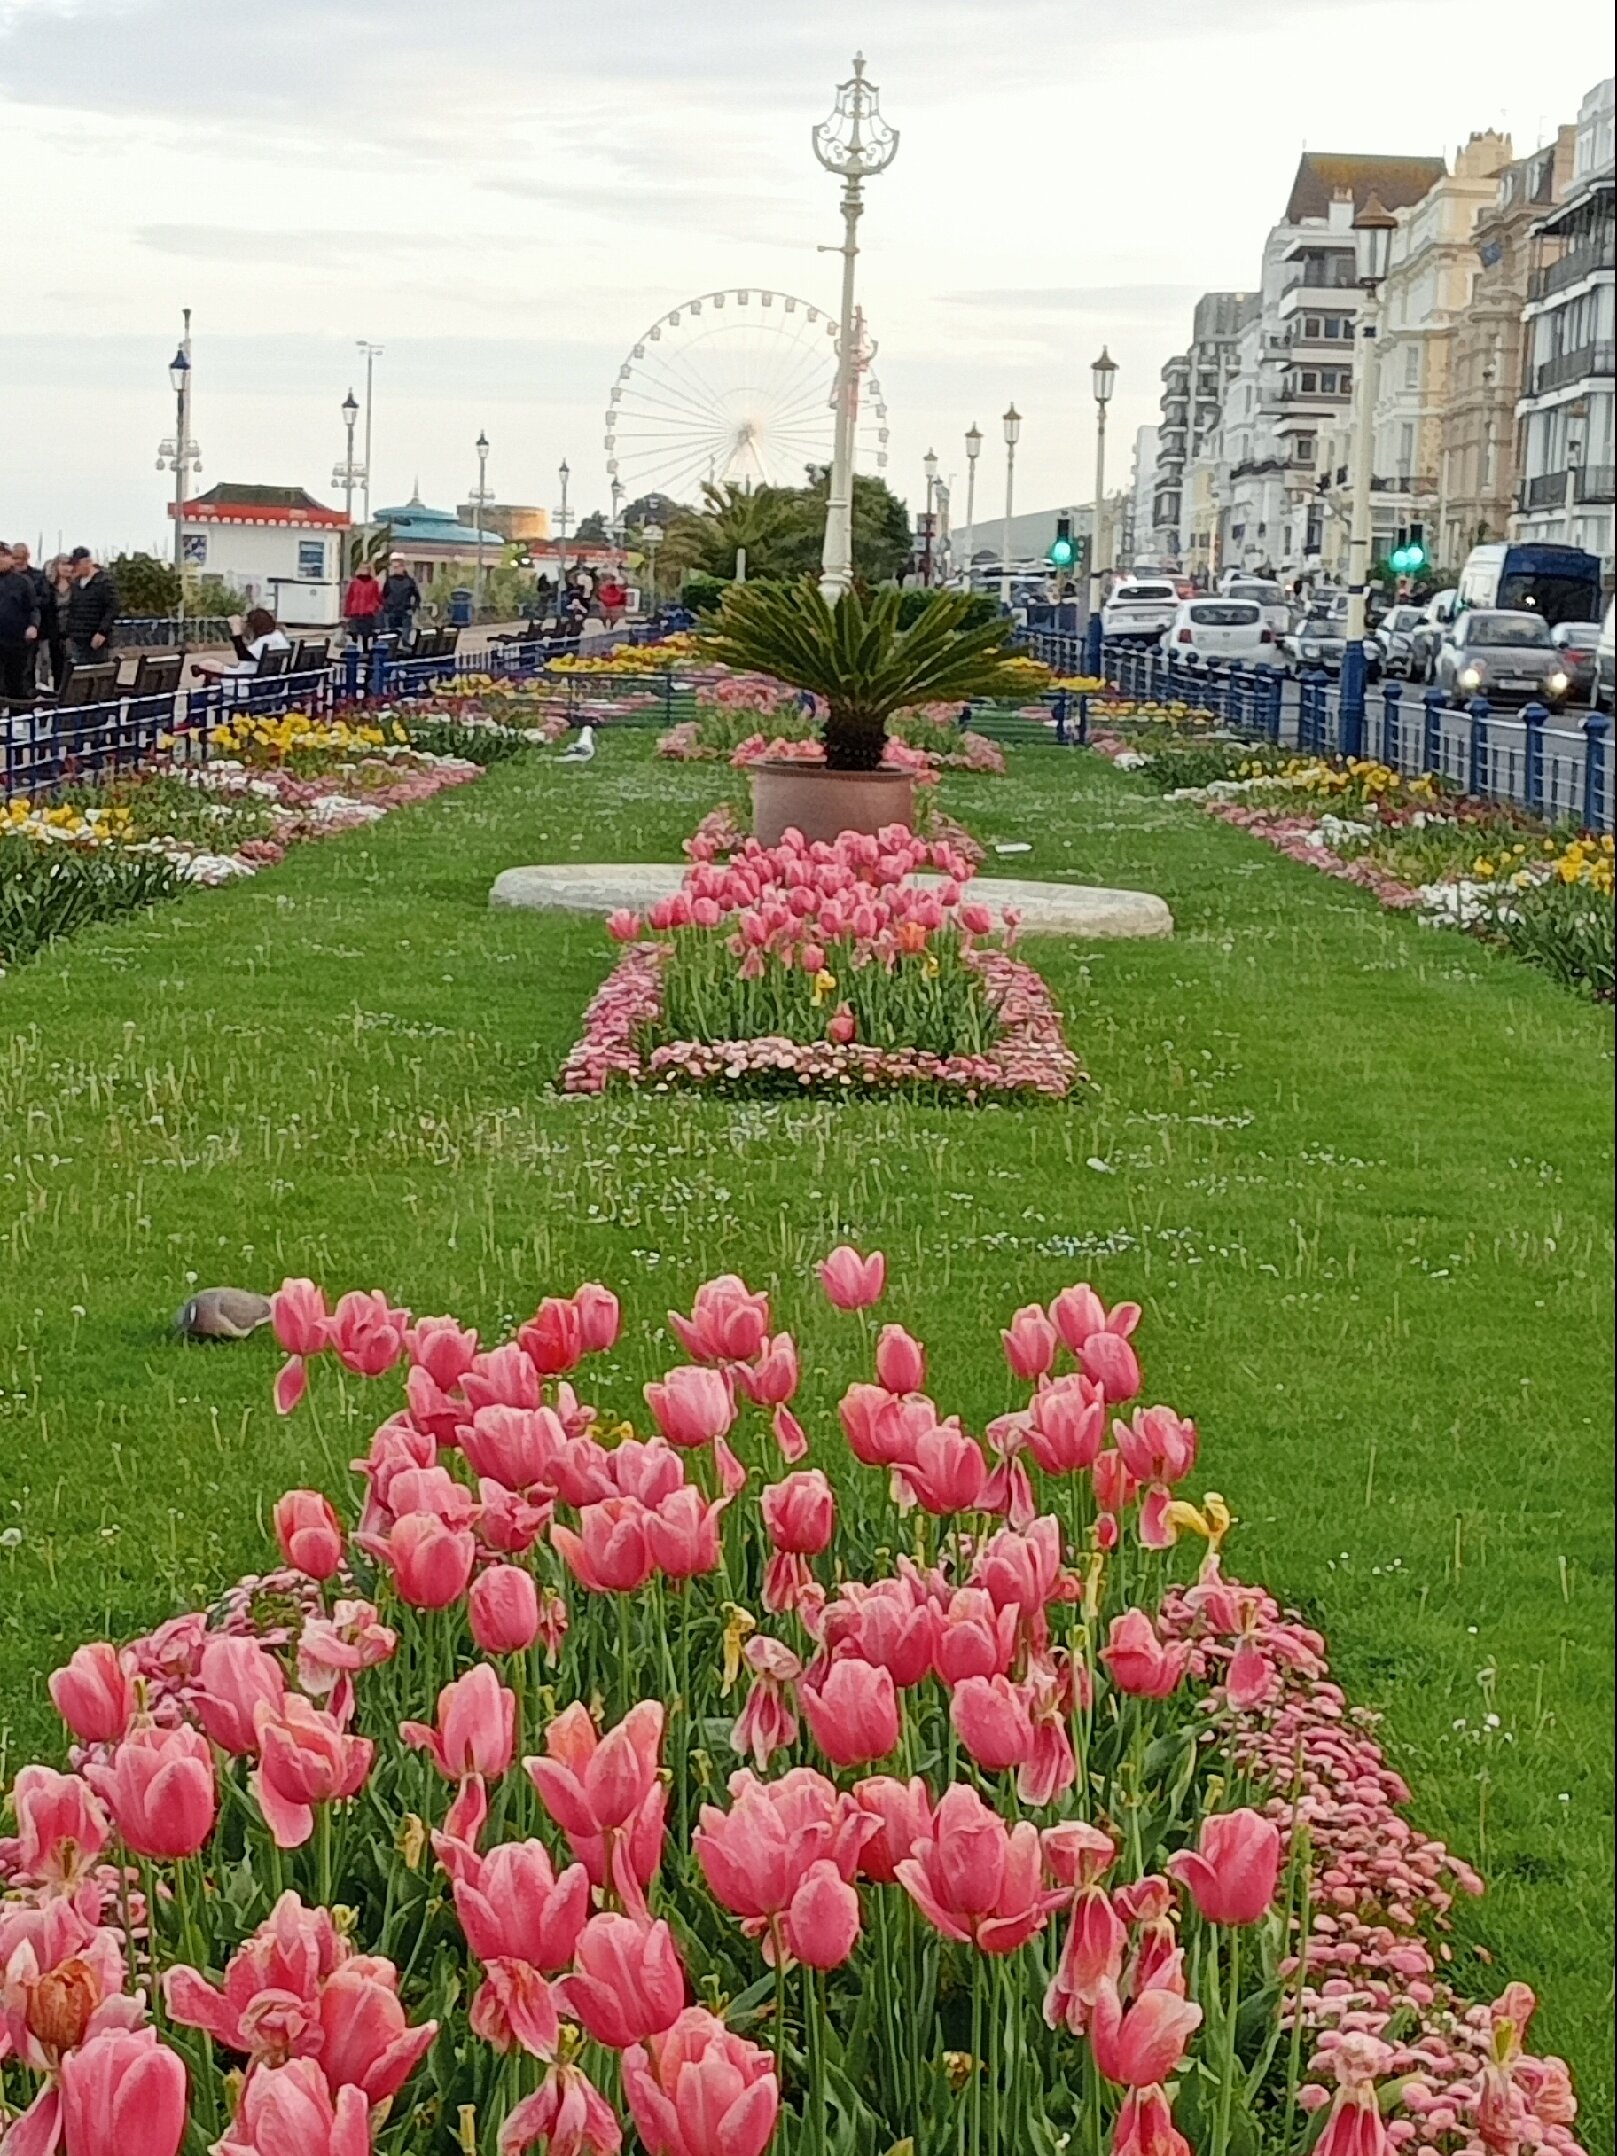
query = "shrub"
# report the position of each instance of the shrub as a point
(50, 891)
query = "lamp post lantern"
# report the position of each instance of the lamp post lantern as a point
(1373, 229)
(929, 465)
(1102, 379)
(974, 444)
(855, 143)
(1013, 429)
(179, 453)
(480, 503)
(563, 473)
(347, 474)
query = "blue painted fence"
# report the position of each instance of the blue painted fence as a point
(1558, 768)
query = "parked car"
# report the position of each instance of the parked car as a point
(1605, 693)
(1320, 639)
(1426, 638)
(1506, 657)
(1138, 609)
(1266, 596)
(1562, 583)
(1395, 636)
(1227, 629)
(1578, 642)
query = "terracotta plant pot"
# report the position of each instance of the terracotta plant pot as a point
(823, 804)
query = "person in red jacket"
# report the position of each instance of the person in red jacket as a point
(362, 604)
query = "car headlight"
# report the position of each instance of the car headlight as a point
(1556, 684)
(1471, 677)
(1310, 651)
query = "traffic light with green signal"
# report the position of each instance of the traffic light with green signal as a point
(1063, 553)
(1409, 555)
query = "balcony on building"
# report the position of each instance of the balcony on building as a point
(1593, 485)
(1314, 264)
(1587, 366)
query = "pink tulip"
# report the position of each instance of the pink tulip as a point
(268, 2006)
(441, 1347)
(947, 1472)
(1139, 1662)
(701, 2091)
(1355, 2126)
(93, 1694)
(476, 1727)
(1066, 1425)
(299, 1317)
(623, 926)
(365, 2040)
(1145, 2126)
(1030, 1343)
(61, 1828)
(307, 1758)
(503, 1608)
(766, 1724)
(237, 1678)
(990, 1717)
(852, 1282)
(1110, 1361)
(1144, 2044)
(350, 1639)
(650, 1471)
(772, 1379)
(367, 1333)
(611, 1552)
(1023, 1567)
(974, 1879)
(973, 1639)
(1250, 1679)
(1078, 1313)
(890, 1623)
(590, 1784)
(1232, 1871)
(567, 2112)
(842, 1026)
(683, 1534)
(820, 1924)
(692, 1406)
(310, 1533)
(123, 2094)
(289, 2108)
(553, 1338)
(629, 1983)
(728, 1322)
(513, 1907)
(1091, 1955)
(431, 1562)
(519, 1446)
(903, 1815)
(514, 2008)
(754, 1856)
(800, 1513)
(789, 1434)
(900, 1361)
(852, 1712)
(159, 1788)
(1157, 1445)
(600, 1317)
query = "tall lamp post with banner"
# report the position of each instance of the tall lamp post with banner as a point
(929, 464)
(1013, 433)
(178, 453)
(974, 446)
(1101, 377)
(480, 502)
(855, 143)
(348, 475)
(1373, 229)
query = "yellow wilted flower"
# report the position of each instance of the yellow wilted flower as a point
(824, 985)
(739, 1623)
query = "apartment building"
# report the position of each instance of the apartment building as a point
(1173, 434)
(1184, 516)
(1564, 415)
(1477, 474)
(1138, 535)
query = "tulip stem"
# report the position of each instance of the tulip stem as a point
(322, 1830)
(1226, 2095)
(815, 2029)
(977, 2055)
(1294, 2057)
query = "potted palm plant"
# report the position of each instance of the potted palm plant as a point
(863, 667)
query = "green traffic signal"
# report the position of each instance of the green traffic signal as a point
(1062, 554)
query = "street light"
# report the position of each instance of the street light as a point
(974, 444)
(480, 501)
(371, 353)
(1102, 378)
(179, 453)
(563, 473)
(346, 475)
(929, 465)
(1373, 229)
(855, 143)
(1013, 429)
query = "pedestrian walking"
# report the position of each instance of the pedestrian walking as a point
(362, 604)
(45, 595)
(53, 627)
(92, 608)
(401, 601)
(19, 631)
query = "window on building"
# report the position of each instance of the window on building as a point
(1406, 449)
(1302, 449)
(1311, 325)
(1412, 367)
(312, 560)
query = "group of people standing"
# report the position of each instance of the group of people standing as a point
(51, 619)
(372, 607)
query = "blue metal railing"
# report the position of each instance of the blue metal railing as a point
(1558, 769)
(44, 749)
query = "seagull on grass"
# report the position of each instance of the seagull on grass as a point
(582, 749)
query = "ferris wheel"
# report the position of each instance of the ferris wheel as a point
(736, 386)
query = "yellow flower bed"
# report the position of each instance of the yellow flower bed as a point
(274, 740)
(58, 821)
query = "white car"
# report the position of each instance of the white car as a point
(1268, 598)
(1225, 629)
(1140, 608)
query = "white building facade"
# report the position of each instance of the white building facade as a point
(278, 546)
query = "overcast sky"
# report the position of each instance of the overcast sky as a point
(505, 193)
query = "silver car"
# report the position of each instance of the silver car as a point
(1508, 658)
(1578, 642)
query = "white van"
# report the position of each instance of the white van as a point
(1140, 608)
(1605, 689)
(1268, 598)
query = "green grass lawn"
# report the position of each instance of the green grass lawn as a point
(1358, 1171)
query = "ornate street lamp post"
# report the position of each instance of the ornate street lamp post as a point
(929, 464)
(347, 475)
(855, 143)
(480, 502)
(974, 444)
(1102, 377)
(1373, 229)
(179, 453)
(1013, 429)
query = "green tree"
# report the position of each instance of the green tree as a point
(144, 584)
(856, 656)
(882, 542)
(733, 518)
(592, 530)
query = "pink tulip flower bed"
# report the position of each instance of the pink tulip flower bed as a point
(823, 966)
(697, 1785)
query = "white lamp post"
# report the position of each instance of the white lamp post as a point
(371, 353)
(855, 143)
(651, 536)
(347, 474)
(480, 502)
(178, 453)
(1373, 229)
(974, 444)
(563, 473)
(1013, 429)
(1102, 377)
(929, 465)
